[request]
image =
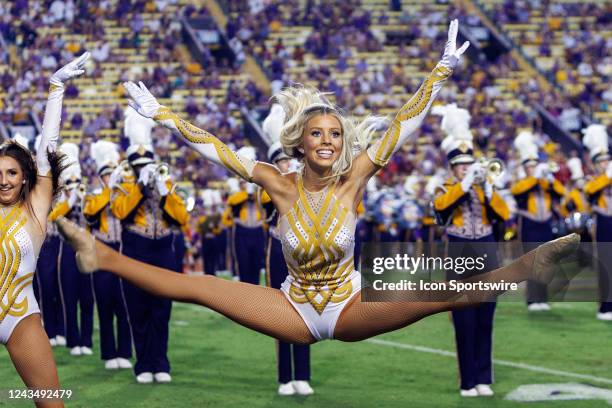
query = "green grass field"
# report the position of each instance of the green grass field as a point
(216, 363)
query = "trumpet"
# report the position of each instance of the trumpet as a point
(163, 171)
(553, 166)
(492, 170)
(127, 172)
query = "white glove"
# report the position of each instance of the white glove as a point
(146, 173)
(115, 177)
(488, 190)
(142, 101)
(470, 176)
(609, 170)
(162, 188)
(73, 198)
(540, 171)
(451, 55)
(70, 70)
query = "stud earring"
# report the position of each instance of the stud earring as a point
(23, 182)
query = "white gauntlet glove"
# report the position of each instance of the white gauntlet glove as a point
(451, 55)
(142, 100)
(70, 70)
(470, 176)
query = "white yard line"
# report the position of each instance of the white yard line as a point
(505, 363)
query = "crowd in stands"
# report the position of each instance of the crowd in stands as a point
(338, 47)
(571, 42)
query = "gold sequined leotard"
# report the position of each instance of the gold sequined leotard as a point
(318, 238)
(18, 262)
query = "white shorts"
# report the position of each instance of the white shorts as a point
(10, 322)
(322, 325)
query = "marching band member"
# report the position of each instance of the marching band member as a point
(147, 208)
(75, 289)
(411, 214)
(47, 282)
(575, 210)
(469, 206)
(599, 194)
(385, 217)
(247, 230)
(534, 196)
(209, 226)
(107, 288)
(277, 272)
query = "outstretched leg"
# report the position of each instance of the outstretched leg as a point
(31, 354)
(361, 320)
(263, 309)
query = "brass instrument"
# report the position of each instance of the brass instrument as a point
(163, 171)
(492, 170)
(127, 173)
(553, 166)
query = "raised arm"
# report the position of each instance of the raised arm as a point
(209, 146)
(411, 115)
(43, 192)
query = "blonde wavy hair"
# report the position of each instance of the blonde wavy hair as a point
(304, 103)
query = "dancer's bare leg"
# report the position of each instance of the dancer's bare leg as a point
(361, 320)
(260, 308)
(32, 357)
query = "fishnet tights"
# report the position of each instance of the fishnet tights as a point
(32, 357)
(266, 310)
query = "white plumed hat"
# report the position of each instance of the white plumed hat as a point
(458, 144)
(233, 185)
(596, 140)
(138, 130)
(72, 174)
(106, 156)
(526, 146)
(21, 140)
(271, 127)
(247, 152)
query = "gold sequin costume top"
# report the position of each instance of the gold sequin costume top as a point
(318, 238)
(18, 262)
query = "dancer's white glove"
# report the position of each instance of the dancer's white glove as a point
(609, 170)
(72, 69)
(470, 177)
(146, 173)
(452, 54)
(142, 100)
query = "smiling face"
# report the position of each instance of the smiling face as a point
(11, 180)
(322, 142)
